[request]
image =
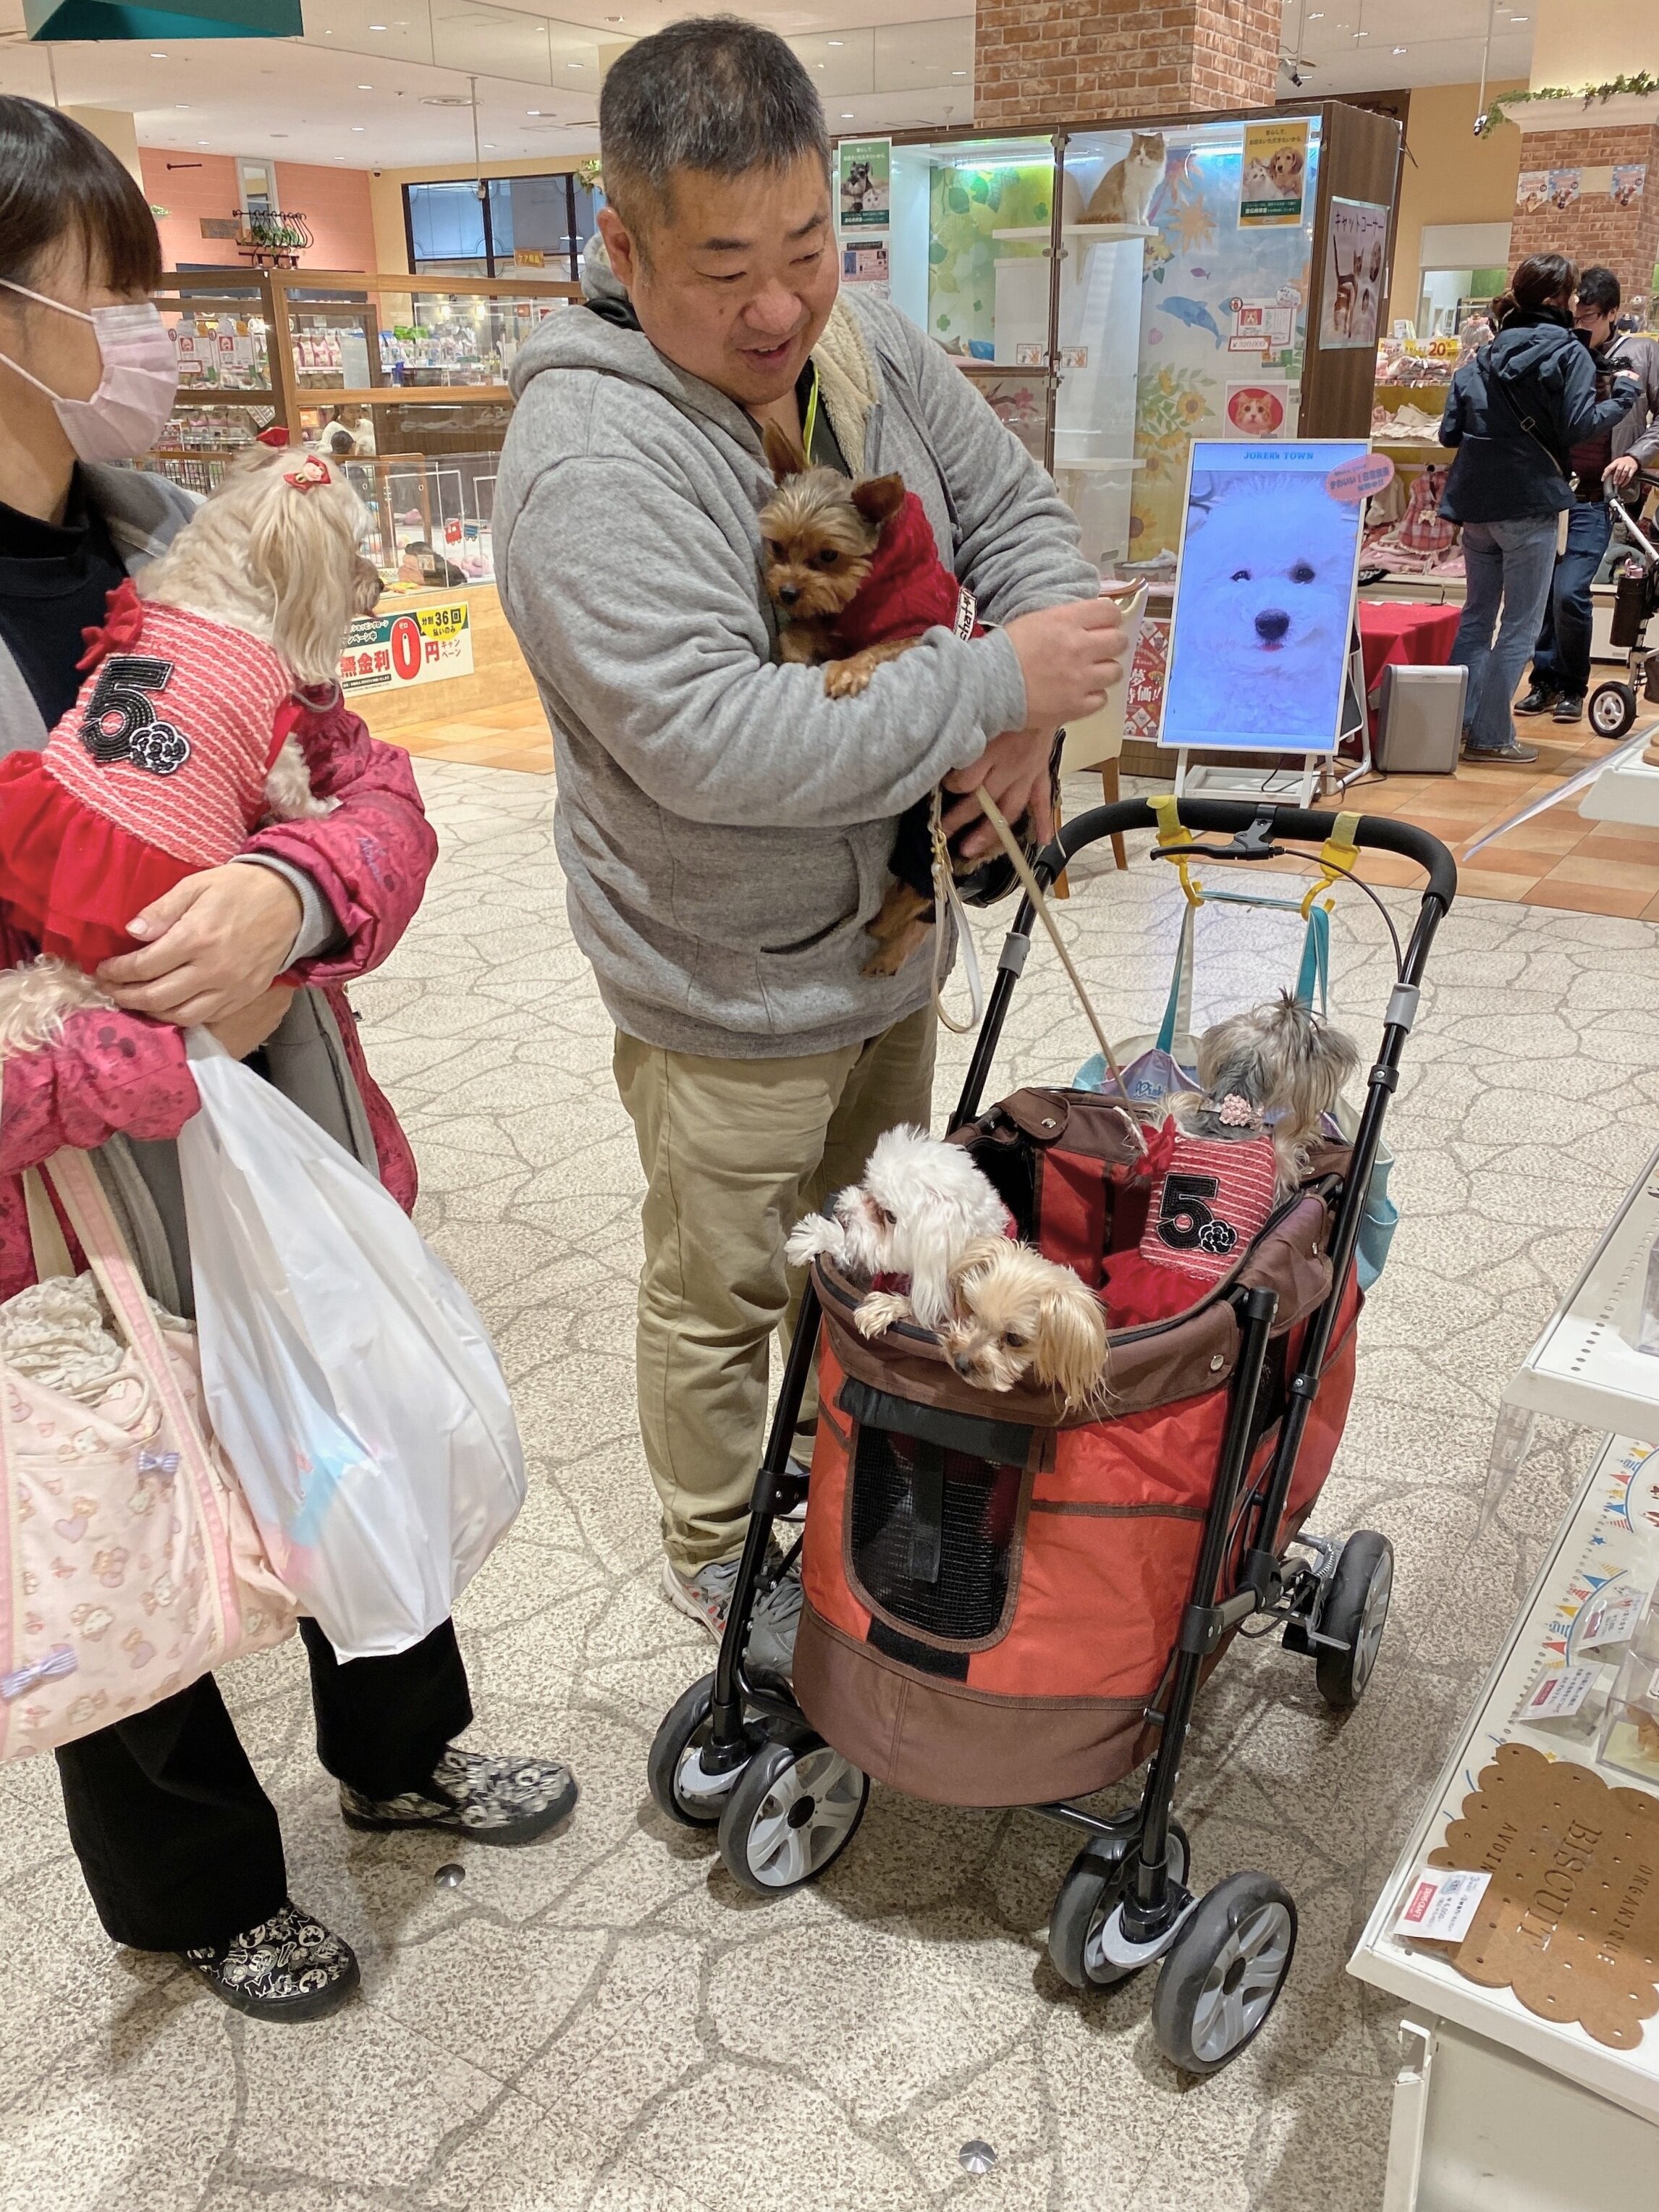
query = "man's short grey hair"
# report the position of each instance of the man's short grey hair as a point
(712, 93)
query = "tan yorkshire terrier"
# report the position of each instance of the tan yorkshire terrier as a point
(1015, 1318)
(854, 570)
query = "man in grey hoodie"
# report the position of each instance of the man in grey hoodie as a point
(724, 827)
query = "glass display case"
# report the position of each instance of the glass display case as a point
(403, 380)
(1117, 290)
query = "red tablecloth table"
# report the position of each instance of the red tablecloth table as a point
(1407, 633)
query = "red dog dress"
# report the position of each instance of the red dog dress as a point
(157, 771)
(908, 589)
(1212, 1200)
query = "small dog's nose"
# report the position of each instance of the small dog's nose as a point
(963, 1364)
(787, 596)
(1272, 623)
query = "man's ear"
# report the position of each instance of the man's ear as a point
(783, 456)
(877, 498)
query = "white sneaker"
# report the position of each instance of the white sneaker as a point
(706, 1597)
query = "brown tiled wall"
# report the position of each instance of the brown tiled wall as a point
(1041, 61)
(1626, 240)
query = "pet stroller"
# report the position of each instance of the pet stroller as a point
(1008, 1605)
(1614, 706)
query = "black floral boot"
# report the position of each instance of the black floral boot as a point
(493, 1801)
(288, 1968)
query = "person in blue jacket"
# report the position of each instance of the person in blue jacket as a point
(1514, 413)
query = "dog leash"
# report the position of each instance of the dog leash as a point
(948, 899)
(1033, 889)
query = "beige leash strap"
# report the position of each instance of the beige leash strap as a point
(51, 1252)
(1011, 845)
(946, 899)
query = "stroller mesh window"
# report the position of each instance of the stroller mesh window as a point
(931, 1532)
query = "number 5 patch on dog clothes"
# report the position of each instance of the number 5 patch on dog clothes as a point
(1214, 1199)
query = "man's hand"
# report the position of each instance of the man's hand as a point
(214, 945)
(1623, 472)
(246, 1029)
(1014, 769)
(1071, 657)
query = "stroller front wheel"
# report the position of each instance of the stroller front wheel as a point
(791, 1815)
(1090, 1893)
(681, 1785)
(1223, 1973)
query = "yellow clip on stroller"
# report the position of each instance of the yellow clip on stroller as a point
(1007, 1604)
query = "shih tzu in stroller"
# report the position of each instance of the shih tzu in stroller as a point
(181, 741)
(1020, 1318)
(1227, 1153)
(921, 1204)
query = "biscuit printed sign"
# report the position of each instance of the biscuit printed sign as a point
(421, 645)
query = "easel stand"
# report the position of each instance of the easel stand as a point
(1323, 774)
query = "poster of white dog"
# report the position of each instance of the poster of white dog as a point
(1264, 595)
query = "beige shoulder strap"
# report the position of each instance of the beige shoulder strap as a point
(51, 1252)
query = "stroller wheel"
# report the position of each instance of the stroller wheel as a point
(1223, 1976)
(1356, 1611)
(1611, 709)
(1087, 1899)
(681, 1786)
(791, 1815)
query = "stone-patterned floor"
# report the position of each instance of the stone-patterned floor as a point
(605, 2021)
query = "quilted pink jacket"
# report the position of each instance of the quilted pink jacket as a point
(116, 1072)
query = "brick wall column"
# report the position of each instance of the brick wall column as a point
(1060, 61)
(1595, 229)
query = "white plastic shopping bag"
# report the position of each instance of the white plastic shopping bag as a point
(348, 1376)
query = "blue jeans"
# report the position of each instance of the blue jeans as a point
(1507, 564)
(1562, 660)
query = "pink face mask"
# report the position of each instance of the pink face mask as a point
(130, 410)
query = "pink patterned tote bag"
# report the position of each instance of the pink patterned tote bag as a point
(129, 1563)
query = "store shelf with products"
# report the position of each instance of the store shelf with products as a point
(1576, 1680)
(402, 378)
(1107, 347)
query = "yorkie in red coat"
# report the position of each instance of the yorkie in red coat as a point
(853, 571)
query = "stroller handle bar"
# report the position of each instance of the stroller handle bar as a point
(1289, 825)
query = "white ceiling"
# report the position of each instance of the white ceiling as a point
(355, 91)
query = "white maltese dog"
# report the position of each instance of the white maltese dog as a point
(921, 1203)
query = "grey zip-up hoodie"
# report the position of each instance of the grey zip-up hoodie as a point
(724, 828)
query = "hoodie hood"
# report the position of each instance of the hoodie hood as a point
(1529, 349)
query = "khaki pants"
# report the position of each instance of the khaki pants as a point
(734, 1152)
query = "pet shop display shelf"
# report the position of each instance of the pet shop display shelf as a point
(1626, 791)
(1584, 1367)
(1496, 2105)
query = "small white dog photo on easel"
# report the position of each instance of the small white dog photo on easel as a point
(1264, 608)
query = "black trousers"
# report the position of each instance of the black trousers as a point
(178, 1844)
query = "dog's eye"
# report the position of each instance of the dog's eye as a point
(1241, 575)
(1302, 573)
(1013, 1341)
(773, 550)
(828, 557)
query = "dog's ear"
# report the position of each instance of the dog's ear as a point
(1068, 1352)
(783, 456)
(877, 498)
(978, 1252)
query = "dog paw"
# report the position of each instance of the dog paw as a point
(845, 679)
(808, 1238)
(876, 1314)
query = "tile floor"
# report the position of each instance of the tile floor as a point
(605, 2021)
(1558, 861)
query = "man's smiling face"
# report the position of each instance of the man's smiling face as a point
(736, 275)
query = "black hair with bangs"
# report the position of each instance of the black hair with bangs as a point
(58, 181)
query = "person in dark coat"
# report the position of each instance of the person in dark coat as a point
(1513, 416)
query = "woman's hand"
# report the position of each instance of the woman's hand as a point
(215, 943)
(246, 1029)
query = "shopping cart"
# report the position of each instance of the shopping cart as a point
(1005, 1604)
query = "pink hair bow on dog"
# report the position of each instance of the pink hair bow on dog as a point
(307, 476)
(1237, 1113)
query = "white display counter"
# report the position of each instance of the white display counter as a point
(1496, 2108)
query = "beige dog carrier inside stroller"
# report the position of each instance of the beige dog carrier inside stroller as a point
(1008, 1604)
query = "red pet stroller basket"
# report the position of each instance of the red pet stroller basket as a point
(1008, 1605)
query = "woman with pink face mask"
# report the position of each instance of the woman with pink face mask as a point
(178, 1844)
